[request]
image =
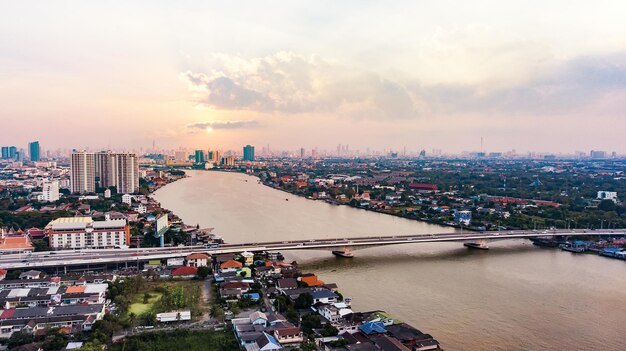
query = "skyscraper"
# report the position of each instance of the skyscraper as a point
(127, 176)
(5, 152)
(34, 151)
(248, 153)
(12, 152)
(120, 170)
(199, 156)
(82, 172)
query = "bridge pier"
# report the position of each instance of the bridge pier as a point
(346, 253)
(480, 244)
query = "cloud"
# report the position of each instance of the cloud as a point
(290, 83)
(224, 125)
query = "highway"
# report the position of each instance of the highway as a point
(110, 256)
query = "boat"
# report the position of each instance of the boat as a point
(343, 254)
(544, 242)
(476, 246)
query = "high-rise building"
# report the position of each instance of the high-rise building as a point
(216, 157)
(127, 177)
(82, 172)
(199, 156)
(228, 161)
(302, 152)
(248, 153)
(105, 169)
(120, 170)
(34, 151)
(50, 190)
(596, 154)
(5, 152)
(12, 152)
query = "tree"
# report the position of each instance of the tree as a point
(20, 338)
(606, 205)
(304, 300)
(204, 272)
(329, 330)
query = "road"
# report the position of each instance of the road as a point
(108, 256)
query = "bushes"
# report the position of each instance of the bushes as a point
(180, 339)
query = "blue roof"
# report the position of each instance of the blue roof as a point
(373, 328)
(323, 294)
(612, 249)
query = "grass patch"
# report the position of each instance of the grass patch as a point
(138, 307)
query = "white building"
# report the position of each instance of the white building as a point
(82, 172)
(607, 195)
(127, 199)
(107, 193)
(50, 192)
(84, 232)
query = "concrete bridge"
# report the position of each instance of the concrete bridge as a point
(343, 246)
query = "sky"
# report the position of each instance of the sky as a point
(547, 76)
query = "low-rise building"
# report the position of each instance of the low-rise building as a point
(84, 232)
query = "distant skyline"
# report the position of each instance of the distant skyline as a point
(529, 76)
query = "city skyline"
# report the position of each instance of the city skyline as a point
(294, 75)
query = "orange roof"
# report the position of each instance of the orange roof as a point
(311, 280)
(75, 289)
(231, 264)
(3, 272)
(15, 242)
(198, 256)
(184, 270)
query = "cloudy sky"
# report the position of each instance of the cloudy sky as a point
(524, 75)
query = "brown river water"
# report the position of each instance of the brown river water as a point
(514, 296)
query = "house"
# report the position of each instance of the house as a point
(286, 284)
(32, 274)
(412, 338)
(267, 342)
(258, 318)
(311, 280)
(288, 335)
(248, 258)
(230, 266)
(324, 296)
(185, 272)
(386, 343)
(3, 273)
(198, 260)
(371, 328)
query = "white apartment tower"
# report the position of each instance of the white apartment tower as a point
(82, 173)
(120, 170)
(50, 192)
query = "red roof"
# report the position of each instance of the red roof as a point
(288, 331)
(422, 186)
(231, 264)
(6, 314)
(181, 271)
(198, 256)
(3, 272)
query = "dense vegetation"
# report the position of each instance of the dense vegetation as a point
(180, 339)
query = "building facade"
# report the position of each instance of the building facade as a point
(82, 172)
(84, 232)
(248, 153)
(50, 191)
(34, 151)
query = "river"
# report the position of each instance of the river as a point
(514, 296)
